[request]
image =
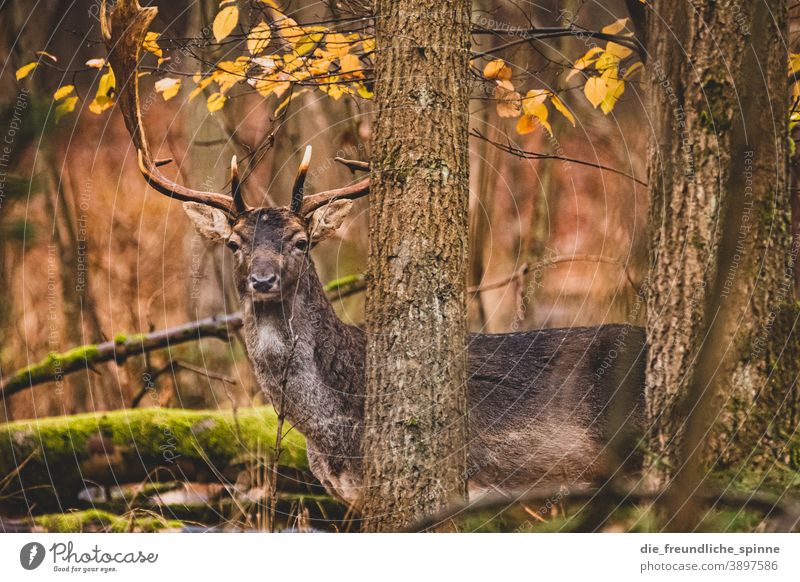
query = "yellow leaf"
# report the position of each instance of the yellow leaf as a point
(63, 91)
(103, 98)
(225, 22)
(595, 90)
(604, 90)
(534, 106)
(66, 106)
(350, 64)
(497, 69)
(96, 63)
(618, 50)
(271, 3)
(150, 44)
(201, 84)
(258, 39)
(168, 87)
(107, 83)
(559, 105)
(23, 71)
(216, 101)
(616, 27)
(606, 61)
(362, 90)
(99, 104)
(368, 45)
(307, 42)
(586, 60)
(526, 124)
(337, 44)
(794, 62)
(533, 98)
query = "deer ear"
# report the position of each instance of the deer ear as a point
(209, 222)
(324, 221)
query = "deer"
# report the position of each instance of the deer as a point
(546, 406)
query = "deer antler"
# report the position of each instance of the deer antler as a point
(124, 31)
(352, 192)
(300, 180)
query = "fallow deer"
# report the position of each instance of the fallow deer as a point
(543, 405)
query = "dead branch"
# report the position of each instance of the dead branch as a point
(528, 155)
(56, 365)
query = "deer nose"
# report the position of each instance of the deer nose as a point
(263, 284)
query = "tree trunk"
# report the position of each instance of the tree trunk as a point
(415, 408)
(722, 353)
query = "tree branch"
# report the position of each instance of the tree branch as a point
(527, 155)
(56, 365)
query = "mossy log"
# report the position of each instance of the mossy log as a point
(56, 365)
(48, 462)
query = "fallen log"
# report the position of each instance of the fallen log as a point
(47, 462)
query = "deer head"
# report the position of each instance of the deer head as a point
(270, 244)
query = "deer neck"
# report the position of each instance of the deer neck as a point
(307, 360)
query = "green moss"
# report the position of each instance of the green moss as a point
(58, 450)
(95, 520)
(343, 282)
(120, 338)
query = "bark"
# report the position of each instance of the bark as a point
(415, 404)
(722, 352)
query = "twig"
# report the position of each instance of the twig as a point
(528, 155)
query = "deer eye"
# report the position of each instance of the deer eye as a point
(232, 244)
(301, 244)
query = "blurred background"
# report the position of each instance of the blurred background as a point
(89, 253)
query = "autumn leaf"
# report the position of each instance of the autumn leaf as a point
(559, 105)
(168, 87)
(794, 63)
(150, 44)
(24, 70)
(63, 91)
(534, 106)
(604, 90)
(350, 64)
(589, 58)
(368, 45)
(508, 100)
(258, 38)
(46, 54)
(526, 124)
(363, 92)
(65, 107)
(497, 69)
(216, 101)
(225, 22)
(616, 27)
(103, 98)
